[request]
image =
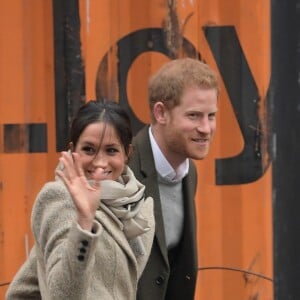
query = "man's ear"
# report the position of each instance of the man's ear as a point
(159, 112)
(71, 147)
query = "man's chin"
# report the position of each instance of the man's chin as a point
(199, 156)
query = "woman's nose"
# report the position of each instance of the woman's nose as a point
(100, 160)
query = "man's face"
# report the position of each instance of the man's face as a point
(190, 126)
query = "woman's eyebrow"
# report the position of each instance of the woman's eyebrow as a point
(88, 143)
(113, 145)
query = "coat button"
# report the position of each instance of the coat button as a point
(159, 280)
(80, 257)
(84, 243)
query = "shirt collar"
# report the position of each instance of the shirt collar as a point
(162, 165)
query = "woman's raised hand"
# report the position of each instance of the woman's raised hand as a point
(85, 193)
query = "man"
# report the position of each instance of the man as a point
(183, 104)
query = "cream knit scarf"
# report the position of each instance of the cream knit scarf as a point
(123, 200)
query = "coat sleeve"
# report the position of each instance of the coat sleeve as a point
(25, 283)
(65, 252)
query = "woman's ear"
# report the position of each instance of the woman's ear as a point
(71, 147)
(159, 112)
(130, 150)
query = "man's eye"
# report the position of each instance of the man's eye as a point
(193, 116)
(212, 116)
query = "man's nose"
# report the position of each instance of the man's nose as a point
(204, 125)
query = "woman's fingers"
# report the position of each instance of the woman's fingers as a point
(62, 176)
(73, 173)
(98, 174)
(66, 160)
(85, 192)
(77, 164)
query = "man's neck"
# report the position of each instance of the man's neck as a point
(172, 158)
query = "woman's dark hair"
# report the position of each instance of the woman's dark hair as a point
(106, 111)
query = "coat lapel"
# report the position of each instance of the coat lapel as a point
(189, 244)
(114, 229)
(147, 175)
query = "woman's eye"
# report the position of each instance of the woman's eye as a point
(88, 150)
(112, 150)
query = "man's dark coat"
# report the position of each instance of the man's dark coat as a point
(157, 282)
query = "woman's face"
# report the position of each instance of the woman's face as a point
(100, 148)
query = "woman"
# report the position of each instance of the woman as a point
(92, 226)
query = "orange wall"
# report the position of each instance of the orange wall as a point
(234, 221)
(26, 96)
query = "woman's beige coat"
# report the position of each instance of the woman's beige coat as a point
(76, 264)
